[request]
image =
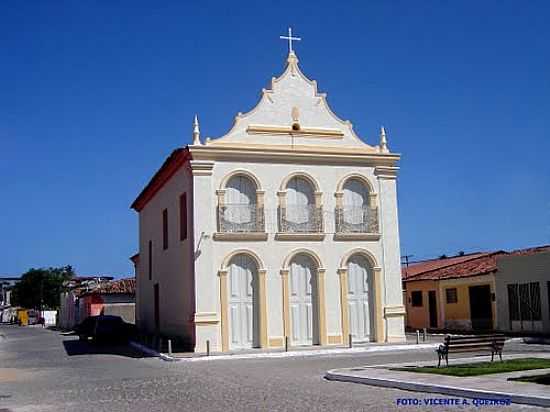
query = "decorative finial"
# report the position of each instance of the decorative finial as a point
(290, 39)
(383, 147)
(196, 131)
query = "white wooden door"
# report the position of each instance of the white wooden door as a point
(355, 199)
(302, 301)
(359, 299)
(299, 199)
(243, 316)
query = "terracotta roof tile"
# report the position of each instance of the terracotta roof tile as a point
(462, 266)
(121, 286)
(433, 264)
(473, 265)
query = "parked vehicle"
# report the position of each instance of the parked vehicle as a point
(104, 329)
(34, 316)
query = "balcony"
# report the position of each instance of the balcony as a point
(357, 223)
(240, 222)
(297, 222)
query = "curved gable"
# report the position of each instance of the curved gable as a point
(292, 112)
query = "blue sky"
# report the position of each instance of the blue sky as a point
(95, 94)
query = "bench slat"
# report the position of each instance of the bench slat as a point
(472, 349)
(470, 346)
(479, 337)
(472, 342)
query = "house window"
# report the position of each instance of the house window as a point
(183, 216)
(150, 255)
(524, 301)
(165, 229)
(416, 298)
(451, 295)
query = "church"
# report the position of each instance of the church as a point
(284, 230)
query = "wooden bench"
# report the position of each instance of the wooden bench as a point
(461, 344)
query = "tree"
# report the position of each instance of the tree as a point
(40, 288)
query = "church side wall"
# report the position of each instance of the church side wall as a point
(172, 268)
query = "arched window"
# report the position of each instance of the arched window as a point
(299, 200)
(355, 215)
(356, 197)
(300, 214)
(239, 211)
(240, 190)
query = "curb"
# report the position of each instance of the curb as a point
(152, 352)
(279, 354)
(442, 389)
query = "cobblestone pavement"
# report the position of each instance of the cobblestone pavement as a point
(42, 370)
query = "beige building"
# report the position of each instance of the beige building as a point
(523, 292)
(505, 291)
(285, 227)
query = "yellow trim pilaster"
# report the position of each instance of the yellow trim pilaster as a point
(318, 198)
(339, 198)
(281, 197)
(224, 308)
(262, 302)
(260, 194)
(343, 272)
(322, 307)
(221, 197)
(372, 199)
(378, 304)
(286, 303)
(276, 342)
(334, 339)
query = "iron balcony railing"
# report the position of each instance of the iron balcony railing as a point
(300, 219)
(356, 220)
(241, 218)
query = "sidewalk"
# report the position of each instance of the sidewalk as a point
(495, 386)
(280, 353)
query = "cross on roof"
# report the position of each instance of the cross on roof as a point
(290, 38)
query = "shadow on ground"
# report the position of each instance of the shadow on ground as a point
(76, 347)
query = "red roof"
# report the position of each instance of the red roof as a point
(474, 264)
(417, 268)
(121, 286)
(170, 166)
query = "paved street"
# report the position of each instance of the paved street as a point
(41, 370)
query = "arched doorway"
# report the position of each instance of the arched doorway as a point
(360, 299)
(303, 301)
(243, 303)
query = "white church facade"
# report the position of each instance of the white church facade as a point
(284, 228)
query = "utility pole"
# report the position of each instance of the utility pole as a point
(406, 257)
